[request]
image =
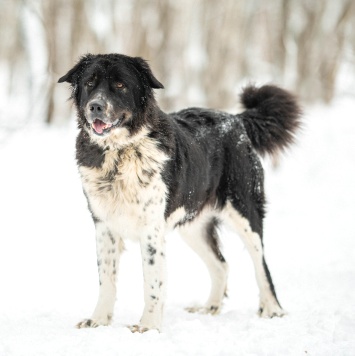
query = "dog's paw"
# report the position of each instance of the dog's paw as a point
(140, 329)
(210, 309)
(271, 310)
(93, 323)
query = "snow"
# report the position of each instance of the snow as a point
(48, 271)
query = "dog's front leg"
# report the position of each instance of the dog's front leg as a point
(154, 272)
(108, 249)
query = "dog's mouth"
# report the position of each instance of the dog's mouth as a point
(100, 128)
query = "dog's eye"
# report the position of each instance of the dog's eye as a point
(119, 85)
(90, 83)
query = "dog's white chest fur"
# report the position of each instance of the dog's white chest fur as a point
(127, 191)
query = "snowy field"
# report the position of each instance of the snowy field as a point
(48, 271)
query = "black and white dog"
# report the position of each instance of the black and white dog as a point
(145, 172)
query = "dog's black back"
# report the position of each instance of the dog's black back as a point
(215, 161)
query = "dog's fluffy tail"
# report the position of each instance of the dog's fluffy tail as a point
(271, 118)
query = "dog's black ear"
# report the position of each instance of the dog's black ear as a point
(77, 70)
(69, 76)
(143, 68)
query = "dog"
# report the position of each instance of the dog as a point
(145, 173)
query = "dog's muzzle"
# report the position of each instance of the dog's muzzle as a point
(100, 127)
(100, 119)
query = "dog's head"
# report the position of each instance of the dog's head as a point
(111, 92)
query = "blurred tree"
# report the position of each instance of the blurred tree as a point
(321, 45)
(202, 51)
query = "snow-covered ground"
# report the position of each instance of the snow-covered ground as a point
(48, 271)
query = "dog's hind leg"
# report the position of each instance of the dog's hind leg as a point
(108, 249)
(201, 235)
(269, 305)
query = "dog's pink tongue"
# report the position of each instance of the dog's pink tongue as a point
(98, 126)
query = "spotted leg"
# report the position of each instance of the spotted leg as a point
(108, 249)
(152, 245)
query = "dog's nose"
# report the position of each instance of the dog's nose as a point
(96, 107)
